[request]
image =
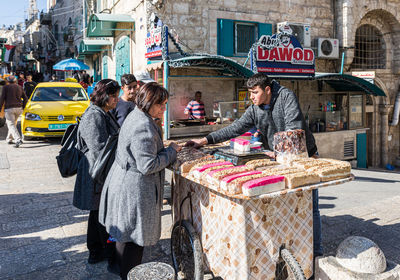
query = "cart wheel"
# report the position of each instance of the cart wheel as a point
(288, 267)
(187, 252)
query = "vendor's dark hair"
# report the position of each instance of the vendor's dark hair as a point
(260, 80)
(149, 94)
(103, 90)
(126, 79)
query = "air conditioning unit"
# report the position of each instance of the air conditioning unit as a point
(302, 31)
(328, 48)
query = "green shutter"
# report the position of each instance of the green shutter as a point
(225, 35)
(264, 29)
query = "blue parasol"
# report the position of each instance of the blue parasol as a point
(70, 64)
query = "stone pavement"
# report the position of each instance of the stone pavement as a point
(42, 236)
(369, 207)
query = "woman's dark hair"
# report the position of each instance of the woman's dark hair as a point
(150, 94)
(103, 90)
(260, 80)
(126, 79)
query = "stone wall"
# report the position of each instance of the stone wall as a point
(194, 20)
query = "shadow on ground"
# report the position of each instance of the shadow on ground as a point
(336, 229)
(42, 236)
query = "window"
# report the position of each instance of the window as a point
(245, 37)
(59, 94)
(370, 50)
(235, 38)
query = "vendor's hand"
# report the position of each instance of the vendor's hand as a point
(175, 146)
(270, 154)
(196, 143)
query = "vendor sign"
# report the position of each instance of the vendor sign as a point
(153, 41)
(282, 54)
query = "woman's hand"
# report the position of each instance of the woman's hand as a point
(175, 146)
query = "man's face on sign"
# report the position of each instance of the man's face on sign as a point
(258, 95)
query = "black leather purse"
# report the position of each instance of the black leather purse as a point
(73, 148)
(105, 160)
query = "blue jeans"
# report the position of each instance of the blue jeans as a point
(317, 233)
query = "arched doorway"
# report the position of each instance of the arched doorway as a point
(122, 57)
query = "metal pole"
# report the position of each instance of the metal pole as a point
(166, 113)
(165, 82)
(341, 67)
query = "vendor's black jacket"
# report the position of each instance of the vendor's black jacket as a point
(284, 114)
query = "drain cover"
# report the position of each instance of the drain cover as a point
(4, 164)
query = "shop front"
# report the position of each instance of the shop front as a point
(220, 80)
(335, 106)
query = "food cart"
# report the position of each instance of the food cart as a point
(238, 237)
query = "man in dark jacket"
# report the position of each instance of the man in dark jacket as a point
(275, 108)
(29, 85)
(13, 106)
(126, 102)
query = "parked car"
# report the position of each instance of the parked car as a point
(52, 107)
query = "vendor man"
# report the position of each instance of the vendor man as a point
(275, 108)
(195, 108)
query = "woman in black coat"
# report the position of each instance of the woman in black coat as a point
(95, 128)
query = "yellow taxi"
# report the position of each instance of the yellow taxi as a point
(52, 107)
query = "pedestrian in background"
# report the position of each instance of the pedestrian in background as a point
(21, 79)
(96, 126)
(46, 76)
(29, 85)
(126, 102)
(14, 99)
(130, 206)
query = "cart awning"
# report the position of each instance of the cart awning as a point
(344, 82)
(227, 66)
(90, 46)
(104, 25)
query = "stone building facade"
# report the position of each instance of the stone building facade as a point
(195, 25)
(61, 31)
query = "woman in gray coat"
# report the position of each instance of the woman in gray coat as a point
(95, 127)
(130, 206)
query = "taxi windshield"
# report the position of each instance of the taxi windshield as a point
(59, 94)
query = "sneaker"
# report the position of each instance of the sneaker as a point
(10, 142)
(18, 143)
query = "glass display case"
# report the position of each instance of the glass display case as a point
(230, 111)
(332, 121)
(337, 112)
(356, 111)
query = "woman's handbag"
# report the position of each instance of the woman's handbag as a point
(73, 148)
(104, 161)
